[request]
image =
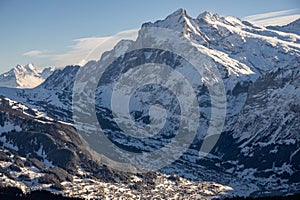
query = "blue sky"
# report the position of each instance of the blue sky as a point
(44, 32)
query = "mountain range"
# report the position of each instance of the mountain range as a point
(256, 154)
(24, 76)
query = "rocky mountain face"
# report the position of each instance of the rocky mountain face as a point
(257, 152)
(24, 76)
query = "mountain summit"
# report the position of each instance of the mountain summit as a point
(24, 76)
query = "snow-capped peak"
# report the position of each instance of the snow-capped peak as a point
(205, 15)
(27, 69)
(175, 21)
(180, 12)
(31, 67)
(213, 17)
(19, 69)
(24, 76)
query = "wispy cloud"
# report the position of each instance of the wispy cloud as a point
(278, 20)
(274, 18)
(33, 53)
(86, 49)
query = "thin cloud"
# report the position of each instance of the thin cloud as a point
(274, 18)
(271, 14)
(86, 49)
(278, 20)
(33, 53)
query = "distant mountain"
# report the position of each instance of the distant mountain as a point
(257, 153)
(24, 76)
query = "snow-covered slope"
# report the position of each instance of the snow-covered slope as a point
(258, 150)
(24, 76)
